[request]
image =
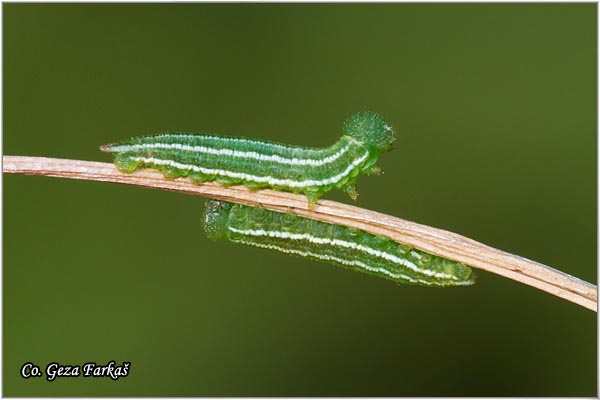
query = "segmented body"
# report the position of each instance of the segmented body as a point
(262, 164)
(346, 247)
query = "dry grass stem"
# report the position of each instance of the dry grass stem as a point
(432, 240)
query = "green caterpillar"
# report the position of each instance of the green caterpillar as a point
(261, 164)
(346, 247)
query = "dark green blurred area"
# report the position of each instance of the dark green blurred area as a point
(495, 105)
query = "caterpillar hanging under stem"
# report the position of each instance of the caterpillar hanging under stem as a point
(260, 164)
(346, 247)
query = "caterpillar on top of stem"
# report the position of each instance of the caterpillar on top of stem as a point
(259, 164)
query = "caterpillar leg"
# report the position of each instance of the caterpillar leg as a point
(197, 177)
(313, 197)
(254, 186)
(172, 173)
(125, 163)
(350, 188)
(373, 170)
(226, 184)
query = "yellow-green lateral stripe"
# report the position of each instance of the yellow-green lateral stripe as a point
(349, 248)
(262, 164)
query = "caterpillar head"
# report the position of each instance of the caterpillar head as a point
(370, 129)
(216, 217)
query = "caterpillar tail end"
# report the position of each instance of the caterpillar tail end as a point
(108, 148)
(467, 274)
(123, 162)
(473, 280)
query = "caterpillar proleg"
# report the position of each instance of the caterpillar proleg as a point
(261, 164)
(346, 247)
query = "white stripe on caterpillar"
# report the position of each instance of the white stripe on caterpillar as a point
(325, 257)
(233, 153)
(342, 243)
(253, 178)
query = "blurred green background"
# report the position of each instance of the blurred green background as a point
(495, 105)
